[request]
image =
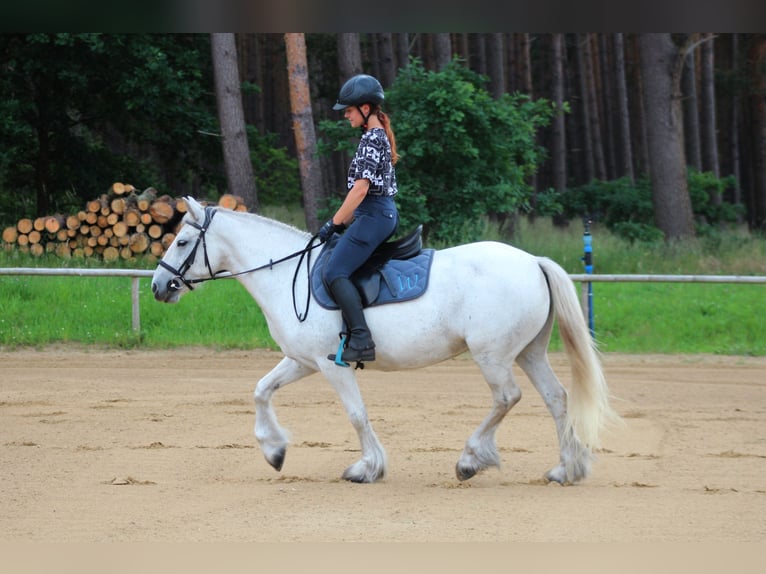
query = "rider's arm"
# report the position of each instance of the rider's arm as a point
(354, 197)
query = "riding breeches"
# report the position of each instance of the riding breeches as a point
(375, 220)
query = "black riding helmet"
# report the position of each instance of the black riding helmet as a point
(358, 90)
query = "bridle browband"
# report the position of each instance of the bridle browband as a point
(180, 273)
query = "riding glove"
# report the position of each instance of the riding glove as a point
(326, 231)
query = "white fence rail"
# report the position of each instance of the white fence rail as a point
(136, 274)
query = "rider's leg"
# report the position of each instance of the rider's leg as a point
(359, 346)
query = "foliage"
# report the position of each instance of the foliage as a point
(702, 185)
(276, 173)
(82, 110)
(463, 153)
(467, 153)
(626, 208)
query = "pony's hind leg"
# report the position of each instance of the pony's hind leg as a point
(480, 449)
(270, 435)
(575, 458)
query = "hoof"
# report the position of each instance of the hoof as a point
(278, 459)
(557, 475)
(356, 479)
(362, 477)
(464, 472)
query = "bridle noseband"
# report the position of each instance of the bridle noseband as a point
(180, 278)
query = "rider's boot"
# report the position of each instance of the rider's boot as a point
(359, 346)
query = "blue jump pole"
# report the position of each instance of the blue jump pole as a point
(588, 261)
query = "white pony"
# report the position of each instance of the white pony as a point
(488, 298)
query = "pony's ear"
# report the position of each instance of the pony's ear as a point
(194, 209)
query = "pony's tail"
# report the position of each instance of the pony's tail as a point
(588, 409)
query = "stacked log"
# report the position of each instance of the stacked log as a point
(122, 223)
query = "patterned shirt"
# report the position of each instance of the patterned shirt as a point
(372, 161)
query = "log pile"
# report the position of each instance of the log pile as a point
(121, 223)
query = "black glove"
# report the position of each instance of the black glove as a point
(326, 231)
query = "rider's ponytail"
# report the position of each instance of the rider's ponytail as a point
(390, 133)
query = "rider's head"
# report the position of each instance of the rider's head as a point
(358, 91)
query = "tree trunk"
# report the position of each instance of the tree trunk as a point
(510, 62)
(638, 108)
(403, 49)
(525, 64)
(607, 106)
(709, 127)
(661, 72)
(349, 55)
(734, 144)
(236, 152)
(303, 127)
(442, 50)
(595, 116)
(757, 59)
(494, 43)
(691, 112)
(478, 60)
(623, 113)
(558, 143)
(585, 137)
(386, 55)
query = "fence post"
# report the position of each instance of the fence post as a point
(588, 285)
(135, 310)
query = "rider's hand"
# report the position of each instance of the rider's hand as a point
(326, 231)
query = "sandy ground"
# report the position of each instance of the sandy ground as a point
(134, 446)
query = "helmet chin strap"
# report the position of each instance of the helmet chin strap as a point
(364, 116)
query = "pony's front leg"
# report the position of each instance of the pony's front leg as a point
(272, 437)
(372, 466)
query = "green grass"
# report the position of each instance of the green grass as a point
(40, 310)
(680, 318)
(629, 317)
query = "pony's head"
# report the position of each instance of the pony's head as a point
(187, 260)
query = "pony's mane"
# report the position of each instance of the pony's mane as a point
(263, 219)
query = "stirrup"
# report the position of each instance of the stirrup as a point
(338, 357)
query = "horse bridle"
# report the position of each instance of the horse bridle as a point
(180, 274)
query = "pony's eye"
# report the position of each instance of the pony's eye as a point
(182, 242)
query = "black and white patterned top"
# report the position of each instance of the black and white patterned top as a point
(372, 161)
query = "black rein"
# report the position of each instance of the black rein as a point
(180, 278)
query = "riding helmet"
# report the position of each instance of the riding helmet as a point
(358, 90)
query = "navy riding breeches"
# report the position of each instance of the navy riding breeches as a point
(375, 220)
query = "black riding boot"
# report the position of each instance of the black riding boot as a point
(359, 345)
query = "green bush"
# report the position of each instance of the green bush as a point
(709, 214)
(626, 208)
(464, 155)
(276, 173)
(468, 154)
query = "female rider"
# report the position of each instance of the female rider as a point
(368, 213)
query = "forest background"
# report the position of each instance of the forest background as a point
(657, 135)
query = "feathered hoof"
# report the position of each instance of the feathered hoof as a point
(559, 475)
(277, 459)
(464, 472)
(362, 475)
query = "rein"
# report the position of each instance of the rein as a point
(180, 278)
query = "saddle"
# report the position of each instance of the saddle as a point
(396, 271)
